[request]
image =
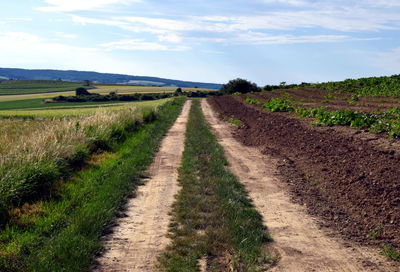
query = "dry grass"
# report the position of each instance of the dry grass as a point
(27, 141)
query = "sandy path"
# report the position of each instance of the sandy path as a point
(300, 243)
(139, 237)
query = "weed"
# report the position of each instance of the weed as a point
(376, 233)
(390, 253)
(235, 122)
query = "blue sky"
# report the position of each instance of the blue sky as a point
(265, 41)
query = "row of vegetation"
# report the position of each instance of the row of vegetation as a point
(82, 95)
(388, 86)
(370, 86)
(213, 219)
(63, 233)
(36, 153)
(379, 122)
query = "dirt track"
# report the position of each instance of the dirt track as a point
(139, 237)
(301, 244)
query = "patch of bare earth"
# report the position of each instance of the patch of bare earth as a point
(140, 237)
(299, 242)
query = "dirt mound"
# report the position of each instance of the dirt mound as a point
(352, 185)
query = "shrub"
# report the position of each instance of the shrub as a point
(239, 86)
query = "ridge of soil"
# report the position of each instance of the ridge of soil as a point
(299, 244)
(345, 180)
(140, 236)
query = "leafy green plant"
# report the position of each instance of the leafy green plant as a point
(251, 100)
(278, 105)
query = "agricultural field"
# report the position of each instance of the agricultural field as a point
(143, 89)
(30, 94)
(23, 87)
(291, 177)
(338, 152)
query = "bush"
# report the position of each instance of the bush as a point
(239, 86)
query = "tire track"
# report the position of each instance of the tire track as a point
(140, 237)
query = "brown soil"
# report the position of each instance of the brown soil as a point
(353, 184)
(140, 237)
(298, 241)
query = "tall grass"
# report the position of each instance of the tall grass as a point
(35, 153)
(63, 233)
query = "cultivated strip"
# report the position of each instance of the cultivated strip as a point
(302, 246)
(140, 236)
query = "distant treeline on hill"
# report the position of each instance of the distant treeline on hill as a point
(12, 73)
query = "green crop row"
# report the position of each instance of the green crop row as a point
(385, 122)
(379, 122)
(371, 86)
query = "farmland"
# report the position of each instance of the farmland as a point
(300, 176)
(338, 153)
(21, 87)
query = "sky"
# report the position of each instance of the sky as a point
(264, 41)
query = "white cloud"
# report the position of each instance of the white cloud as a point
(171, 38)
(141, 45)
(261, 38)
(73, 5)
(66, 35)
(288, 2)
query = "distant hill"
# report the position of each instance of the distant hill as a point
(71, 75)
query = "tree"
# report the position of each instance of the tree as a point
(239, 86)
(87, 83)
(81, 91)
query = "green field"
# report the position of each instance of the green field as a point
(20, 87)
(37, 103)
(78, 110)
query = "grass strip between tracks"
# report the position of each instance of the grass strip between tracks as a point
(64, 234)
(213, 219)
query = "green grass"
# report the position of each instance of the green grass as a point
(19, 87)
(63, 233)
(212, 215)
(37, 103)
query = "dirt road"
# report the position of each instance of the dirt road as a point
(301, 245)
(139, 237)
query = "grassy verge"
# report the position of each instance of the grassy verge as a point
(36, 153)
(63, 234)
(213, 216)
